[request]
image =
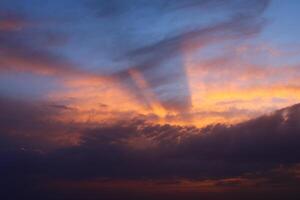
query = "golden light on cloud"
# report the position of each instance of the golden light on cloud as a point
(103, 100)
(151, 99)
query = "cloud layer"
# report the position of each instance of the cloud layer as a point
(263, 149)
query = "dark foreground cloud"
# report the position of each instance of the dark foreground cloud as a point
(140, 150)
(33, 125)
(262, 152)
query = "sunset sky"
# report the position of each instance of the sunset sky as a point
(149, 99)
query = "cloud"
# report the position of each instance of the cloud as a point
(50, 149)
(131, 151)
(19, 56)
(35, 125)
(272, 140)
(161, 64)
(25, 47)
(156, 53)
(118, 7)
(264, 148)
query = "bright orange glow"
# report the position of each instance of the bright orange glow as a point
(105, 100)
(224, 90)
(156, 107)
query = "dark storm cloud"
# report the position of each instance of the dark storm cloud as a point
(140, 150)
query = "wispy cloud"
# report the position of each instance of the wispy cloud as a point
(154, 61)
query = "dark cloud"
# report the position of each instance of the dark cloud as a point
(133, 151)
(33, 125)
(140, 150)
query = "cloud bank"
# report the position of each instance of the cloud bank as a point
(263, 149)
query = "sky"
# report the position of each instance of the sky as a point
(149, 99)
